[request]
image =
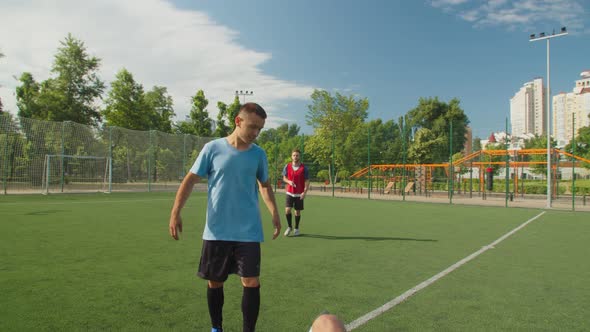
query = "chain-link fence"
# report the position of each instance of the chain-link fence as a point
(43, 156)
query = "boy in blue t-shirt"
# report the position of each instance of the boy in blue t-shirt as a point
(231, 240)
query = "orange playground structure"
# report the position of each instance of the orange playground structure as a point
(420, 175)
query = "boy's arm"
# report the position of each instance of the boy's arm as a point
(182, 195)
(269, 199)
(307, 182)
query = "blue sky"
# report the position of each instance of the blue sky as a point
(392, 52)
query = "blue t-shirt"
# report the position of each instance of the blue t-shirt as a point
(233, 213)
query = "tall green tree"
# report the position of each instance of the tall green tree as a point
(71, 94)
(436, 116)
(221, 128)
(385, 142)
(232, 112)
(426, 147)
(125, 104)
(77, 83)
(27, 97)
(333, 119)
(198, 122)
(160, 106)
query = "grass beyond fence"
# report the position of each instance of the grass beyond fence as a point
(106, 262)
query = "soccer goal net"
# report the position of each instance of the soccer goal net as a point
(64, 173)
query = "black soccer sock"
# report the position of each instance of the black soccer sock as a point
(289, 216)
(250, 307)
(215, 302)
(297, 219)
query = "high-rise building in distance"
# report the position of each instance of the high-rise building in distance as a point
(566, 105)
(527, 109)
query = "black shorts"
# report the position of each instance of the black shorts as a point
(295, 202)
(220, 258)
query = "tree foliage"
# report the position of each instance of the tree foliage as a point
(538, 142)
(476, 144)
(232, 112)
(278, 144)
(582, 142)
(221, 127)
(198, 122)
(77, 79)
(125, 104)
(68, 96)
(427, 146)
(333, 118)
(27, 97)
(436, 116)
(160, 107)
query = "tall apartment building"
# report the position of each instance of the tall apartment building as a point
(527, 109)
(567, 104)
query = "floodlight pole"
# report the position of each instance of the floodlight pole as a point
(244, 93)
(573, 162)
(542, 36)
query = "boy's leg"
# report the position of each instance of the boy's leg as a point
(288, 215)
(215, 265)
(248, 267)
(288, 205)
(298, 209)
(215, 301)
(250, 306)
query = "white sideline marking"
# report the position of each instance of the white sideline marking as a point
(382, 309)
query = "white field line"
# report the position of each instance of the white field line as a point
(382, 309)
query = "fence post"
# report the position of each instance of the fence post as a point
(403, 188)
(149, 156)
(110, 159)
(451, 175)
(63, 131)
(5, 170)
(507, 164)
(369, 159)
(184, 170)
(332, 173)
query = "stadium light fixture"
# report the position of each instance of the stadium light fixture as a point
(244, 93)
(543, 36)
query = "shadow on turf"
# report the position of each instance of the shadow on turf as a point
(43, 212)
(368, 238)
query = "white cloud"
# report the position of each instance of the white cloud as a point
(524, 15)
(159, 44)
(446, 3)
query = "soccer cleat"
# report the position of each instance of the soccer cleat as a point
(296, 233)
(215, 329)
(287, 232)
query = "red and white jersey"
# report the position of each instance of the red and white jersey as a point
(297, 174)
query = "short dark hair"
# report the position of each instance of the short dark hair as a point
(296, 150)
(253, 108)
